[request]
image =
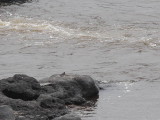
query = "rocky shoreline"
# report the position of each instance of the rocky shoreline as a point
(25, 98)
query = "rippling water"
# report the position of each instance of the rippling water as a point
(114, 41)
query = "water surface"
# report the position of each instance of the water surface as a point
(114, 41)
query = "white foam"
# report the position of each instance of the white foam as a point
(20, 24)
(57, 30)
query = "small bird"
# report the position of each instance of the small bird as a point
(62, 74)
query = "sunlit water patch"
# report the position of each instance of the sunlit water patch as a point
(125, 100)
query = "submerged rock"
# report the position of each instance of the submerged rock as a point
(6, 113)
(20, 87)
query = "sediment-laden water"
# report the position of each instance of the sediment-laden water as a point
(114, 41)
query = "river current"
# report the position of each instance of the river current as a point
(114, 41)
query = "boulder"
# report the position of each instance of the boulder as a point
(73, 89)
(20, 87)
(46, 99)
(68, 117)
(6, 113)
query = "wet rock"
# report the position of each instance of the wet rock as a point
(68, 117)
(88, 86)
(6, 113)
(32, 101)
(77, 100)
(73, 89)
(52, 102)
(9, 2)
(31, 110)
(20, 87)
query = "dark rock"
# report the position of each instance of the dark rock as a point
(88, 86)
(20, 87)
(31, 110)
(52, 102)
(77, 100)
(73, 89)
(6, 113)
(30, 101)
(9, 2)
(68, 117)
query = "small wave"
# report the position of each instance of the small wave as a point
(115, 34)
(25, 25)
(28, 25)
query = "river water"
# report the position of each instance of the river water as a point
(114, 41)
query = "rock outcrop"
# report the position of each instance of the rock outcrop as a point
(73, 89)
(46, 99)
(20, 87)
